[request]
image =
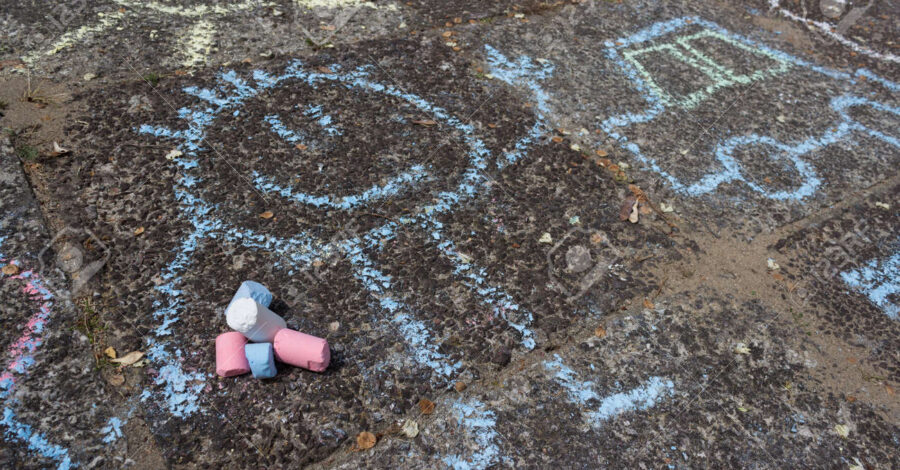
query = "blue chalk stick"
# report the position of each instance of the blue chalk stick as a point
(253, 290)
(261, 357)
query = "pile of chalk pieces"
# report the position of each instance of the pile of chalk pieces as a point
(260, 336)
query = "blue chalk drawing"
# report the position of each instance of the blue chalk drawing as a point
(179, 388)
(622, 53)
(35, 440)
(113, 430)
(378, 192)
(479, 423)
(878, 280)
(22, 353)
(525, 72)
(603, 409)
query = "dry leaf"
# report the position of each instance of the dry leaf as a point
(598, 237)
(324, 69)
(851, 398)
(58, 150)
(633, 218)
(447, 34)
(648, 304)
(457, 20)
(460, 386)
(129, 358)
(10, 270)
(300, 147)
(267, 215)
(665, 207)
(138, 231)
(173, 154)
(842, 430)
(117, 379)
(771, 264)
(410, 428)
(778, 277)
(600, 332)
(425, 122)
(627, 206)
(365, 440)
(546, 238)
(426, 406)
(328, 27)
(889, 389)
(602, 153)
(741, 348)
(557, 139)
(110, 352)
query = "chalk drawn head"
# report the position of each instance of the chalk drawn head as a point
(579, 260)
(78, 254)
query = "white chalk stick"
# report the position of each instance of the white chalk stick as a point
(254, 321)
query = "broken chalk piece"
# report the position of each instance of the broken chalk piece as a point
(302, 350)
(262, 360)
(256, 322)
(230, 358)
(252, 290)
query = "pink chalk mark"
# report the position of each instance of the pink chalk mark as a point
(22, 349)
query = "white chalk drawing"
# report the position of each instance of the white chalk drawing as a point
(838, 31)
(179, 388)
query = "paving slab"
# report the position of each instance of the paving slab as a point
(688, 384)
(443, 190)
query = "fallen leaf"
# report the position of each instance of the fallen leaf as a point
(324, 69)
(600, 332)
(116, 379)
(410, 428)
(328, 27)
(889, 389)
(447, 34)
(648, 304)
(602, 153)
(460, 386)
(173, 154)
(633, 218)
(300, 147)
(557, 139)
(110, 352)
(426, 406)
(851, 398)
(267, 215)
(882, 205)
(138, 231)
(58, 150)
(425, 122)
(645, 209)
(842, 430)
(457, 20)
(129, 358)
(741, 348)
(492, 125)
(742, 409)
(772, 264)
(546, 238)
(365, 440)
(598, 237)
(627, 207)
(778, 277)
(10, 270)
(665, 207)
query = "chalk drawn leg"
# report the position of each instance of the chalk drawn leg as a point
(414, 331)
(478, 422)
(602, 409)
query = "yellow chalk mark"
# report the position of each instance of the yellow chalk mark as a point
(195, 11)
(69, 38)
(197, 43)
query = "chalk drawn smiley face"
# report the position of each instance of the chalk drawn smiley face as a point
(314, 144)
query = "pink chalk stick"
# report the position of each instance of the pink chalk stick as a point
(302, 350)
(230, 357)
